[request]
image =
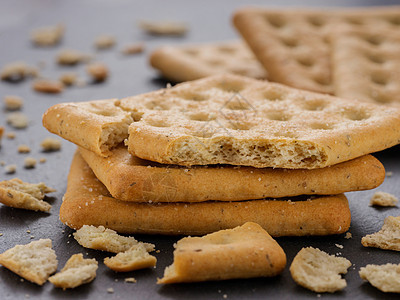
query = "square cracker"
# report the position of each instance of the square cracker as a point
(367, 65)
(87, 199)
(130, 178)
(190, 62)
(230, 119)
(242, 252)
(282, 40)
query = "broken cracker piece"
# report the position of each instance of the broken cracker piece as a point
(10, 169)
(132, 49)
(29, 162)
(24, 148)
(17, 120)
(12, 102)
(77, 271)
(98, 71)
(69, 78)
(19, 194)
(384, 277)
(387, 238)
(242, 252)
(383, 199)
(17, 71)
(134, 258)
(104, 42)
(47, 36)
(48, 86)
(101, 238)
(35, 261)
(71, 57)
(164, 27)
(50, 144)
(318, 271)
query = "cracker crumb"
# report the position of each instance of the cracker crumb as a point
(110, 290)
(69, 78)
(348, 235)
(132, 49)
(28, 231)
(71, 57)
(389, 174)
(2, 163)
(225, 296)
(104, 42)
(29, 163)
(47, 36)
(339, 246)
(1, 234)
(10, 169)
(17, 71)
(130, 280)
(164, 27)
(42, 160)
(50, 144)
(17, 120)
(10, 135)
(48, 86)
(24, 148)
(98, 71)
(383, 199)
(12, 102)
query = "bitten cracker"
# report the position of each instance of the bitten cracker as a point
(282, 40)
(318, 271)
(130, 178)
(19, 194)
(77, 271)
(229, 119)
(387, 238)
(384, 277)
(243, 252)
(190, 62)
(35, 261)
(87, 199)
(367, 65)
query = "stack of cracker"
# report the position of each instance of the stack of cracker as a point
(217, 152)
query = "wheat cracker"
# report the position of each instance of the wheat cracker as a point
(242, 252)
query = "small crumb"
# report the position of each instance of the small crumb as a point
(24, 148)
(1, 234)
(21, 279)
(17, 120)
(104, 42)
(389, 174)
(32, 237)
(42, 160)
(2, 163)
(48, 86)
(130, 280)
(17, 71)
(27, 296)
(383, 199)
(29, 163)
(110, 290)
(157, 251)
(10, 169)
(10, 135)
(71, 57)
(98, 71)
(47, 36)
(69, 78)
(12, 102)
(28, 231)
(225, 296)
(163, 27)
(348, 235)
(339, 246)
(50, 144)
(133, 49)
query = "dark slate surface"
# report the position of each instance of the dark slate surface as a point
(84, 20)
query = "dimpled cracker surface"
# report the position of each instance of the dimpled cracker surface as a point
(282, 40)
(229, 119)
(242, 252)
(130, 178)
(190, 62)
(367, 65)
(87, 199)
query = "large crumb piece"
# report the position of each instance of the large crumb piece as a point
(17, 120)
(383, 199)
(17, 71)
(132, 49)
(387, 238)
(242, 252)
(101, 238)
(77, 271)
(98, 71)
(50, 144)
(48, 86)
(12, 102)
(104, 41)
(24, 148)
(29, 162)
(384, 277)
(134, 258)
(318, 271)
(10, 169)
(69, 78)
(47, 36)
(19, 194)
(130, 280)
(35, 261)
(71, 57)
(163, 27)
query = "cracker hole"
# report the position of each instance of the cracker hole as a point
(226, 49)
(157, 123)
(193, 96)
(395, 21)
(354, 21)
(316, 21)
(276, 21)
(274, 95)
(290, 42)
(153, 105)
(379, 78)
(202, 116)
(191, 51)
(378, 59)
(237, 104)
(373, 40)
(239, 125)
(231, 86)
(292, 135)
(314, 105)
(381, 97)
(356, 114)
(321, 126)
(322, 81)
(214, 62)
(277, 116)
(305, 61)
